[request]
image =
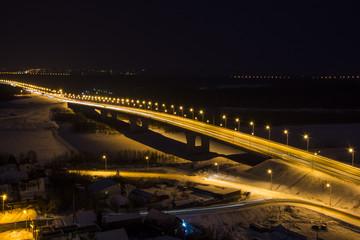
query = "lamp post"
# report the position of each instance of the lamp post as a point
(253, 130)
(270, 172)
(172, 106)
(352, 151)
(217, 167)
(202, 115)
(312, 160)
(224, 117)
(147, 161)
(286, 132)
(105, 158)
(4, 198)
(329, 186)
(192, 112)
(182, 111)
(238, 122)
(307, 138)
(268, 128)
(25, 212)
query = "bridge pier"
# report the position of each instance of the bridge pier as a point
(191, 147)
(138, 124)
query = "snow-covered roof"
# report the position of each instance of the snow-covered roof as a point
(112, 235)
(86, 217)
(13, 176)
(143, 193)
(8, 168)
(83, 218)
(121, 217)
(160, 216)
(101, 185)
(118, 200)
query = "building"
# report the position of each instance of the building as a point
(29, 189)
(103, 188)
(115, 234)
(142, 197)
(126, 220)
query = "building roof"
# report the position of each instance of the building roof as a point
(86, 217)
(101, 185)
(121, 217)
(142, 193)
(112, 235)
(83, 218)
(13, 176)
(118, 200)
(11, 167)
(160, 216)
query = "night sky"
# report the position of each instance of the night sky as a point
(182, 37)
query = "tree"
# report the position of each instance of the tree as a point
(12, 159)
(31, 156)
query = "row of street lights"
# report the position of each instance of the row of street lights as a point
(149, 105)
(104, 157)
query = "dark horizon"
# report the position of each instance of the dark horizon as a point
(167, 38)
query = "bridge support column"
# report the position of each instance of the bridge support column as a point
(104, 114)
(205, 144)
(191, 147)
(114, 115)
(138, 124)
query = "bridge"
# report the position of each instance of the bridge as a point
(139, 118)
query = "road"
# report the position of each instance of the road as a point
(236, 138)
(272, 197)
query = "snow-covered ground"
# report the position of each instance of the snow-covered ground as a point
(235, 224)
(19, 234)
(25, 125)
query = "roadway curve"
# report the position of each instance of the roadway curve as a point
(236, 138)
(276, 197)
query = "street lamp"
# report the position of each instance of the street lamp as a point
(147, 160)
(104, 157)
(307, 138)
(352, 151)
(268, 128)
(224, 117)
(286, 132)
(270, 172)
(217, 165)
(172, 106)
(182, 111)
(4, 198)
(329, 186)
(238, 122)
(253, 131)
(25, 212)
(192, 112)
(202, 115)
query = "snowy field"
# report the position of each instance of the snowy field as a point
(235, 224)
(25, 125)
(27, 119)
